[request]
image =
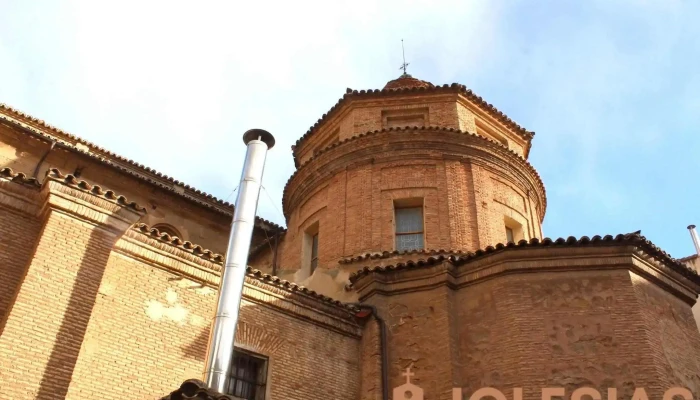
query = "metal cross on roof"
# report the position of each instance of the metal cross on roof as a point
(405, 64)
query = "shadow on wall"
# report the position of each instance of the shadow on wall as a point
(64, 355)
(197, 349)
(283, 339)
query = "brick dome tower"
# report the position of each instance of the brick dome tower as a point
(411, 168)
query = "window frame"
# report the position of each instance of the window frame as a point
(517, 229)
(261, 389)
(409, 203)
(313, 264)
(510, 234)
(310, 233)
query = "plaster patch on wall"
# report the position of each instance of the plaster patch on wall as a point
(106, 289)
(322, 282)
(205, 291)
(198, 321)
(172, 311)
(171, 296)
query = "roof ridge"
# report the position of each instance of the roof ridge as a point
(630, 238)
(97, 190)
(112, 159)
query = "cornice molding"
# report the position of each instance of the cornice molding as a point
(90, 203)
(372, 146)
(19, 193)
(457, 274)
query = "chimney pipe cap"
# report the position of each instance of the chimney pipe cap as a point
(265, 136)
(691, 226)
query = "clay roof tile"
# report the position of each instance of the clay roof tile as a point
(18, 177)
(635, 239)
(194, 389)
(409, 84)
(115, 161)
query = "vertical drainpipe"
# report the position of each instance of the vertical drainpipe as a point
(223, 331)
(274, 254)
(384, 349)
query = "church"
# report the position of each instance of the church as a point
(413, 241)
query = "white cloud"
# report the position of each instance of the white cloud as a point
(174, 85)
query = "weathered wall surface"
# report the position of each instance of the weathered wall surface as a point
(466, 205)
(578, 330)
(586, 327)
(672, 334)
(105, 310)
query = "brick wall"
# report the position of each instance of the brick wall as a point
(464, 209)
(553, 330)
(151, 330)
(18, 232)
(44, 330)
(672, 334)
(107, 310)
(508, 321)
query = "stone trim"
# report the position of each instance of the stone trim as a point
(160, 251)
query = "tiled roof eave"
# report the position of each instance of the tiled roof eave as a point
(123, 164)
(256, 274)
(629, 239)
(498, 145)
(454, 87)
(396, 253)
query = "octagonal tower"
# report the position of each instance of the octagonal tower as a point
(414, 168)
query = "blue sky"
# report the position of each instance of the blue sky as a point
(610, 88)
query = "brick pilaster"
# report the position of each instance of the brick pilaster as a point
(43, 332)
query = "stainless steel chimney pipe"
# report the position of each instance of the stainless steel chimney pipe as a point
(694, 236)
(223, 331)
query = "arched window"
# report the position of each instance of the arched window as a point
(169, 229)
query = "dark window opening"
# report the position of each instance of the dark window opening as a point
(509, 235)
(314, 253)
(248, 379)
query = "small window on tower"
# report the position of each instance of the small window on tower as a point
(514, 230)
(248, 379)
(409, 224)
(314, 252)
(509, 235)
(310, 250)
